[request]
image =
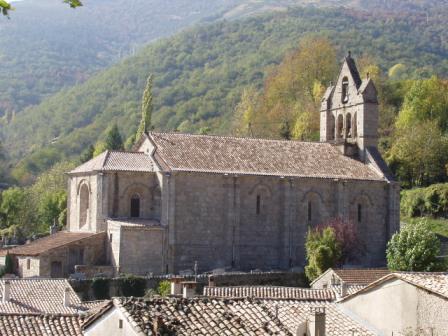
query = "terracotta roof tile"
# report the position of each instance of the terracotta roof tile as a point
(40, 325)
(272, 292)
(214, 316)
(361, 276)
(50, 242)
(293, 313)
(40, 296)
(217, 154)
(433, 282)
(117, 161)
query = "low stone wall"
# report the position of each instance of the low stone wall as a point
(90, 271)
(287, 279)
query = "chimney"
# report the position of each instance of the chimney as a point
(176, 286)
(157, 325)
(316, 321)
(66, 298)
(189, 289)
(6, 291)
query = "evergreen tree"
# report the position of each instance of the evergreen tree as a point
(113, 139)
(87, 154)
(145, 122)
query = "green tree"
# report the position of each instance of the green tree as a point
(87, 154)
(147, 107)
(322, 251)
(426, 100)
(18, 212)
(415, 248)
(113, 139)
(419, 154)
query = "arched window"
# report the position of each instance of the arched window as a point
(354, 127)
(135, 206)
(340, 129)
(345, 90)
(359, 213)
(310, 211)
(258, 206)
(84, 201)
(331, 126)
(348, 123)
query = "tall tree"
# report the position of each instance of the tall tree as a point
(113, 139)
(291, 96)
(145, 122)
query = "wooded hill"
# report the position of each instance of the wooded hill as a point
(200, 75)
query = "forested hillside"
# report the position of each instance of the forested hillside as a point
(46, 46)
(201, 73)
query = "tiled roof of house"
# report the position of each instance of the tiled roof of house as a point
(218, 316)
(40, 325)
(361, 276)
(435, 282)
(271, 292)
(218, 154)
(293, 313)
(117, 161)
(40, 296)
(50, 242)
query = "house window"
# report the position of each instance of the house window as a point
(310, 211)
(120, 324)
(110, 237)
(258, 204)
(359, 213)
(345, 90)
(135, 206)
(28, 264)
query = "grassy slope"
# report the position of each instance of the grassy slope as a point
(199, 75)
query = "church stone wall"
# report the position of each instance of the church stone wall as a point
(123, 185)
(250, 222)
(76, 184)
(142, 251)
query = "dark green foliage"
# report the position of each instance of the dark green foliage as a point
(164, 288)
(87, 154)
(113, 139)
(415, 248)
(9, 264)
(131, 285)
(431, 201)
(323, 251)
(199, 75)
(100, 287)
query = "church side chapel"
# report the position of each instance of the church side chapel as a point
(238, 203)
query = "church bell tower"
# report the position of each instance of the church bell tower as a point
(349, 110)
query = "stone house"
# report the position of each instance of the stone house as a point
(403, 303)
(56, 256)
(240, 203)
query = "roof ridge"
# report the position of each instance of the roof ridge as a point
(237, 137)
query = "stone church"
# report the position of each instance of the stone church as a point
(239, 203)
